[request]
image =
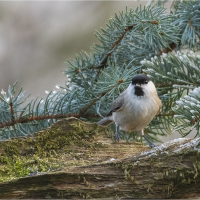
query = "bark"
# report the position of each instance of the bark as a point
(91, 165)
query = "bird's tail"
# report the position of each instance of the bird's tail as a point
(105, 121)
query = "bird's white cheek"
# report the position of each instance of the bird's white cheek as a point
(149, 88)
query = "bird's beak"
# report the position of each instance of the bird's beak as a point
(138, 85)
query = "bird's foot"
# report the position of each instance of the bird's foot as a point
(117, 137)
(151, 144)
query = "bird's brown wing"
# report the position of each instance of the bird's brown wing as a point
(117, 104)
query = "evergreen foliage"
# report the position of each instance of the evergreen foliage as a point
(187, 17)
(135, 41)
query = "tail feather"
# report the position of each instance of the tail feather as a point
(105, 121)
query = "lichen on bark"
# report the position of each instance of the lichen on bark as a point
(48, 150)
(75, 159)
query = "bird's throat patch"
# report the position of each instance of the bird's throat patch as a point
(138, 91)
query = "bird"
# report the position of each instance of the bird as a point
(134, 108)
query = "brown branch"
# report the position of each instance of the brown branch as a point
(150, 22)
(44, 117)
(30, 119)
(190, 23)
(12, 111)
(166, 114)
(171, 47)
(101, 65)
(193, 121)
(121, 37)
(118, 41)
(82, 113)
(170, 84)
(101, 95)
(161, 85)
(104, 61)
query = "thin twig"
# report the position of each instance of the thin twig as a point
(82, 113)
(104, 61)
(193, 121)
(171, 47)
(101, 95)
(166, 114)
(12, 111)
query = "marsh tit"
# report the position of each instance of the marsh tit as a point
(134, 108)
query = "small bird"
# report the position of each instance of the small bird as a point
(134, 108)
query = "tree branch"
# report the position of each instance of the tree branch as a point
(166, 114)
(45, 117)
(171, 47)
(104, 61)
(12, 111)
(90, 165)
(83, 111)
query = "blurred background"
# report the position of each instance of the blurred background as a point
(36, 39)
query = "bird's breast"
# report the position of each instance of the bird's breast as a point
(136, 114)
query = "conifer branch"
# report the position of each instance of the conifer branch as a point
(187, 18)
(43, 117)
(103, 63)
(166, 114)
(30, 119)
(101, 95)
(129, 42)
(140, 26)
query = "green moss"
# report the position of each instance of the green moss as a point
(51, 149)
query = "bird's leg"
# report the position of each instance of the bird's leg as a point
(151, 144)
(117, 137)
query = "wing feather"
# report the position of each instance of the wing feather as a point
(117, 104)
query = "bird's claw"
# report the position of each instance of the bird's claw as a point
(117, 137)
(152, 145)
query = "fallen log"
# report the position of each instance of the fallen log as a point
(75, 159)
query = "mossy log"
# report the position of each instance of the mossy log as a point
(75, 159)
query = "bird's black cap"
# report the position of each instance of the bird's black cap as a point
(140, 79)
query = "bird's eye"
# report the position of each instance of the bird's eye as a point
(146, 82)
